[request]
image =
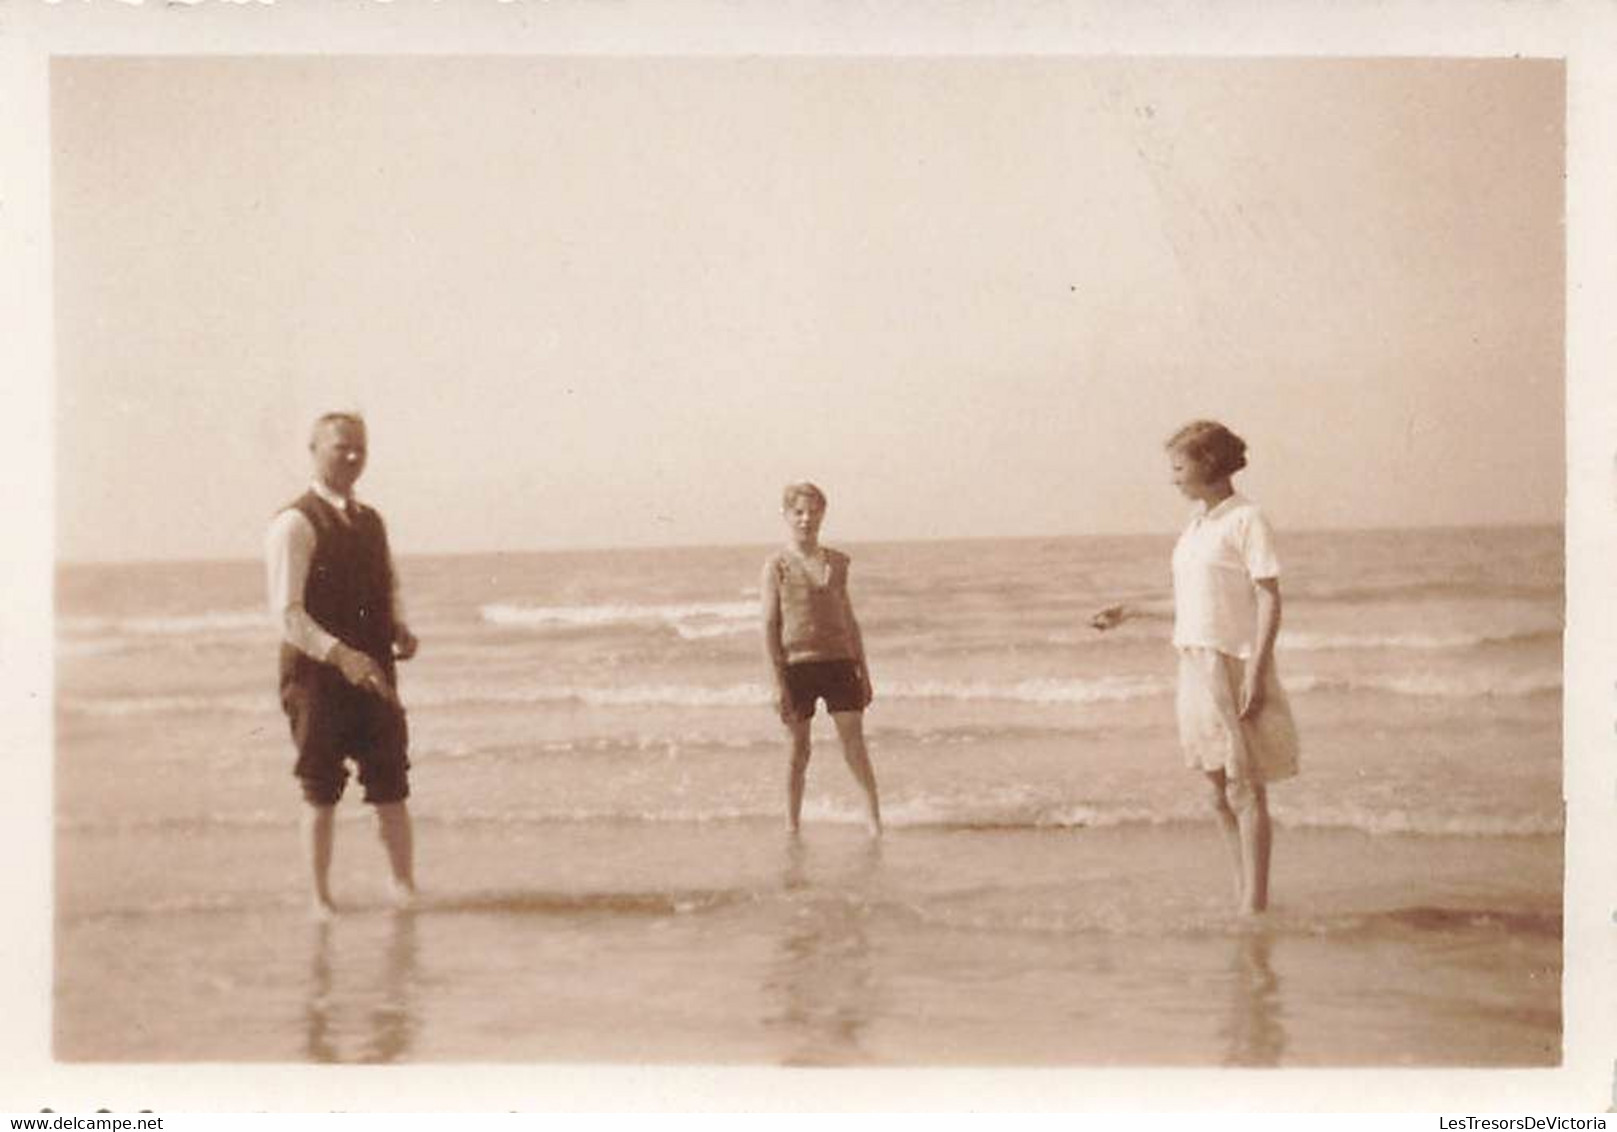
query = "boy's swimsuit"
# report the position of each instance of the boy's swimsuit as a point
(837, 682)
(1219, 558)
(816, 635)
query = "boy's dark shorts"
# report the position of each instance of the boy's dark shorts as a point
(835, 681)
(331, 720)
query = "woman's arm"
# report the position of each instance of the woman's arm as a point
(1257, 668)
(1114, 615)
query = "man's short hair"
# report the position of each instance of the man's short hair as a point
(328, 418)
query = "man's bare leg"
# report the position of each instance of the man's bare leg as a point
(319, 837)
(398, 838)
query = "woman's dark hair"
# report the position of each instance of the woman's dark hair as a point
(1218, 450)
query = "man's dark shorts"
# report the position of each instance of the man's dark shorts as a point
(332, 720)
(835, 681)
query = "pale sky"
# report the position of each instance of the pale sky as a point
(596, 302)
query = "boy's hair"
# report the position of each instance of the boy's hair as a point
(804, 490)
(1218, 450)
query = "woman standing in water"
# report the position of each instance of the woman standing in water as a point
(1234, 722)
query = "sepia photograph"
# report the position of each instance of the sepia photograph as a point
(828, 559)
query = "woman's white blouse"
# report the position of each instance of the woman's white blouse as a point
(1216, 562)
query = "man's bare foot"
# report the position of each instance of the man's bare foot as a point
(402, 896)
(322, 910)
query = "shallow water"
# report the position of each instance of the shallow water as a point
(673, 942)
(598, 795)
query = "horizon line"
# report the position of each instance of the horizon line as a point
(60, 563)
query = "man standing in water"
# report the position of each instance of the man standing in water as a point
(334, 596)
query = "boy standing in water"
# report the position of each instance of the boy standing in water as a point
(815, 649)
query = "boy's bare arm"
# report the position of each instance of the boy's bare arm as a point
(858, 647)
(774, 648)
(853, 631)
(769, 589)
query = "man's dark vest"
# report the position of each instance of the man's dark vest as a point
(349, 591)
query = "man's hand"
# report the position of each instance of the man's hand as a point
(362, 672)
(865, 687)
(405, 643)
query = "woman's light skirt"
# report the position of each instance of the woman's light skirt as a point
(1211, 730)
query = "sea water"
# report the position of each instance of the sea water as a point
(599, 790)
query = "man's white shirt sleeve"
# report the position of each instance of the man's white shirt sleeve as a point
(288, 549)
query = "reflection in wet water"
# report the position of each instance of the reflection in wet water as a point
(822, 980)
(359, 1010)
(1254, 1035)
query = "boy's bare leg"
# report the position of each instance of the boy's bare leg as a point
(398, 838)
(798, 773)
(319, 838)
(851, 730)
(1218, 796)
(1251, 804)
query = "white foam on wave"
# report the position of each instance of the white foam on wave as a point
(705, 632)
(633, 695)
(1036, 691)
(91, 648)
(210, 621)
(919, 813)
(609, 746)
(441, 696)
(704, 613)
(257, 819)
(1011, 812)
(628, 695)
(204, 903)
(118, 707)
(1292, 641)
(1041, 690)
(956, 813)
(1499, 591)
(1434, 685)
(1399, 821)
